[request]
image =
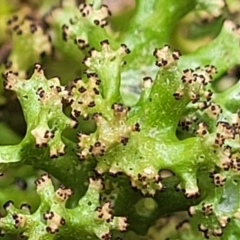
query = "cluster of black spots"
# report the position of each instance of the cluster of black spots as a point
(218, 179)
(42, 180)
(76, 113)
(80, 42)
(87, 9)
(190, 195)
(84, 9)
(81, 156)
(12, 20)
(105, 212)
(94, 75)
(48, 134)
(195, 97)
(19, 220)
(144, 182)
(120, 110)
(160, 63)
(227, 131)
(64, 193)
(224, 131)
(226, 159)
(9, 80)
(235, 163)
(200, 75)
(124, 140)
(208, 95)
(213, 110)
(13, 23)
(54, 220)
(202, 129)
(185, 124)
(141, 177)
(106, 236)
(38, 68)
(164, 57)
(126, 49)
(123, 50)
(136, 127)
(176, 54)
(187, 76)
(219, 140)
(40, 92)
(207, 208)
(237, 124)
(196, 80)
(210, 69)
(99, 148)
(81, 96)
(217, 232)
(82, 89)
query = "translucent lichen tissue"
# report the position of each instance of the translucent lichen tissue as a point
(120, 119)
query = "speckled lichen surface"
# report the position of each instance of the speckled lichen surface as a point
(149, 108)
